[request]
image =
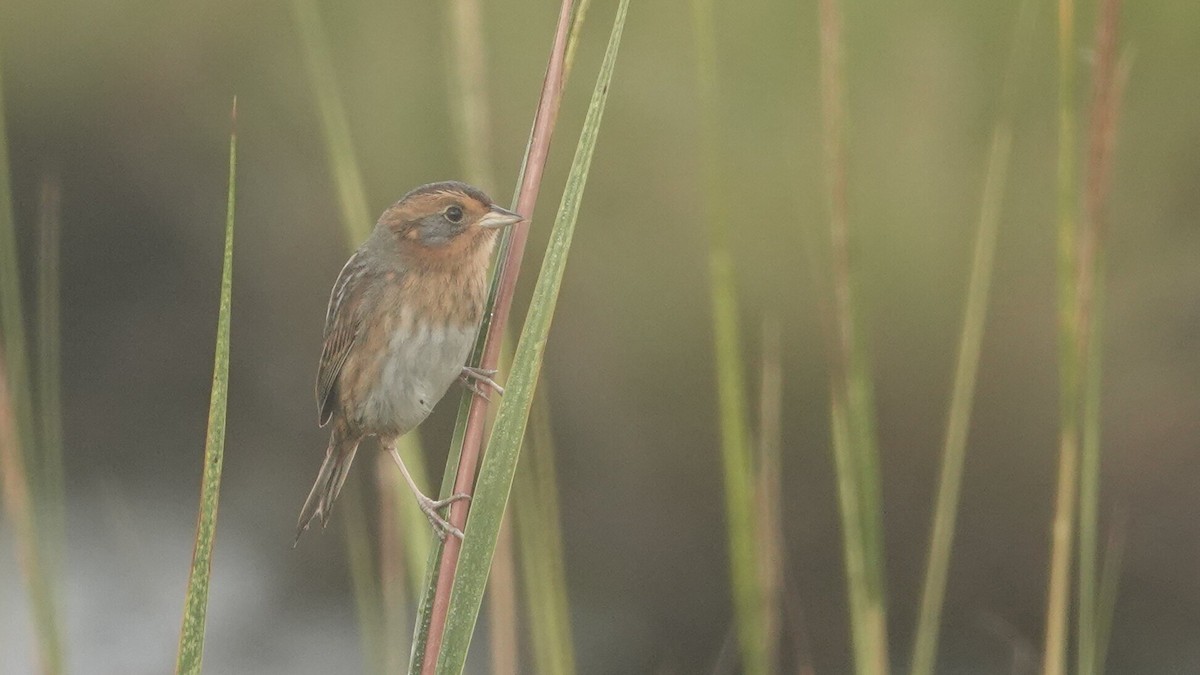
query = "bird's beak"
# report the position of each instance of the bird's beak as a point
(498, 217)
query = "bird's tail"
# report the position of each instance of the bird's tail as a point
(329, 483)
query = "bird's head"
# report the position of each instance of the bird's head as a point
(445, 221)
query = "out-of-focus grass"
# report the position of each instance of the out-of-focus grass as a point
(503, 449)
(1108, 82)
(1062, 533)
(49, 375)
(737, 461)
(191, 639)
(941, 538)
(352, 197)
(364, 579)
(768, 490)
(539, 531)
(37, 539)
(852, 407)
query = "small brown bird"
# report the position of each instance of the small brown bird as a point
(401, 321)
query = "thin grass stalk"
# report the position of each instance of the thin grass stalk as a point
(1107, 86)
(499, 464)
(737, 459)
(768, 491)
(49, 373)
(539, 530)
(1089, 499)
(466, 444)
(1106, 595)
(1058, 592)
(851, 408)
(954, 449)
(352, 196)
(364, 578)
(470, 109)
(191, 638)
(393, 573)
(12, 317)
(941, 539)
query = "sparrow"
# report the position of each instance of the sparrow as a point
(402, 319)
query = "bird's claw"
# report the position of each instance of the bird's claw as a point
(470, 376)
(441, 526)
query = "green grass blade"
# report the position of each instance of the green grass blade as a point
(941, 539)
(1062, 534)
(768, 495)
(954, 449)
(539, 531)
(736, 456)
(1109, 75)
(1089, 495)
(851, 399)
(499, 463)
(191, 639)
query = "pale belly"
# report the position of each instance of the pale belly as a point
(417, 369)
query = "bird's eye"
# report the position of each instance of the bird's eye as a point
(454, 214)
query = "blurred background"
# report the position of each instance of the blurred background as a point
(126, 104)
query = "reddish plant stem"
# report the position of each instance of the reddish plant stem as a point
(510, 266)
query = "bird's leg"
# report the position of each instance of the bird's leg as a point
(470, 376)
(429, 507)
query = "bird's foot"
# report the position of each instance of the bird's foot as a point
(441, 526)
(472, 377)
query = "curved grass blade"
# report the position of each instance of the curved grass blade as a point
(499, 464)
(191, 639)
